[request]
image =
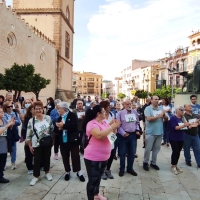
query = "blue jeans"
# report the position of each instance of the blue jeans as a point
(166, 132)
(116, 145)
(14, 153)
(194, 142)
(127, 146)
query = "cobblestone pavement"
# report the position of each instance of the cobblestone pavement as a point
(153, 185)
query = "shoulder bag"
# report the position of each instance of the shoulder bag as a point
(44, 141)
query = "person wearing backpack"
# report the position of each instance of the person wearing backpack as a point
(12, 133)
(97, 152)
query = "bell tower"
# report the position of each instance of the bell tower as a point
(54, 18)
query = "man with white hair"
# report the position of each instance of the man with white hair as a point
(54, 116)
(69, 137)
(154, 130)
(128, 132)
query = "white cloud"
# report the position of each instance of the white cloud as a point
(121, 32)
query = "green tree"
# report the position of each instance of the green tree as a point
(121, 96)
(105, 95)
(141, 94)
(38, 83)
(165, 92)
(17, 78)
(2, 82)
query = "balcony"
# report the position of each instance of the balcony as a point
(192, 48)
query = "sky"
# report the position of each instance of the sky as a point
(109, 34)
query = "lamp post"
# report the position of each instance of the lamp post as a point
(172, 70)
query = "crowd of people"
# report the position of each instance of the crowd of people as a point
(101, 130)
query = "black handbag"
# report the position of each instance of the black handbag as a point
(44, 141)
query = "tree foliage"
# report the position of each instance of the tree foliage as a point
(17, 78)
(38, 83)
(165, 92)
(142, 94)
(20, 78)
(121, 95)
(105, 94)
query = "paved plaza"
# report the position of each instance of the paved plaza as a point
(156, 185)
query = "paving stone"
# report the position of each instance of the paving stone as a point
(152, 185)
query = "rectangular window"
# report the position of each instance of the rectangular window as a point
(67, 44)
(162, 75)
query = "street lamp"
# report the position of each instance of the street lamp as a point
(172, 70)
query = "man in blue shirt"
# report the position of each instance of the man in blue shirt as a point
(154, 116)
(195, 108)
(88, 102)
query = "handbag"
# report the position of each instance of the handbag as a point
(44, 141)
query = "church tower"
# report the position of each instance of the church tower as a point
(54, 18)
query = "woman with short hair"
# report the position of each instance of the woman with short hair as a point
(177, 125)
(12, 134)
(98, 150)
(39, 140)
(69, 137)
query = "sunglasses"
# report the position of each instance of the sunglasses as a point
(9, 107)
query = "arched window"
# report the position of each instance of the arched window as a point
(193, 43)
(198, 41)
(67, 13)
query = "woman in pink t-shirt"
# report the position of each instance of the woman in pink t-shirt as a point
(98, 149)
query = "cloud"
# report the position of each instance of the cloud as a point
(121, 32)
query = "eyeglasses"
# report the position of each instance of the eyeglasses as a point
(9, 107)
(38, 108)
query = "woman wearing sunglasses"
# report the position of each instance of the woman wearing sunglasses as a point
(13, 132)
(176, 137)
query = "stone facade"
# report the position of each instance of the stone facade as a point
(55, 18)
(23, 44)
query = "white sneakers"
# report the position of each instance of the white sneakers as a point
(35, 180)
(30, 172)
(49, 177)
(14, 166)
(179, 170)
(176, 170)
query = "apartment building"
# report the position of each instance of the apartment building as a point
(87, 83)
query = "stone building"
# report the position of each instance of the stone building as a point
(23, 44)
(55, 18)
(193, 50)
(87, 83)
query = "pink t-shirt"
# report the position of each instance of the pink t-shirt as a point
(97, 149)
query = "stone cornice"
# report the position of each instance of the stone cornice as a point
(26, 11)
